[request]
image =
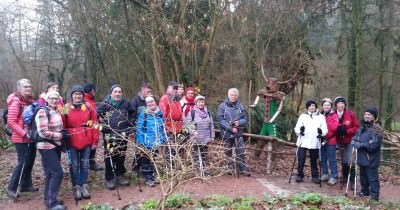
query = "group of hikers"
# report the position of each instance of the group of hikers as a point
(74, 127)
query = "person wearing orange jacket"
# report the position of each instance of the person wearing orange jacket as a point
(90, 93)
(79, 118)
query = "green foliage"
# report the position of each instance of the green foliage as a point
(216, 201)
(91, 206)
(304, 198)
(149, 204)
(178, 200)
(244, 203)
(5, 144)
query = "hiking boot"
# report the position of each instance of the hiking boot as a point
(122, 181)
(245, 173)
(332, 181)
(155, 180)
(360, 194)
(324, 178)
(95, 167)
(149, 183)
(12, 194)
(316, 180)
(299, 179)
(85, 191)
(30, 189)
(77, 192)
(58, 207)
(110, 184)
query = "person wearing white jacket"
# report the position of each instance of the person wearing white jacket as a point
(310, 127)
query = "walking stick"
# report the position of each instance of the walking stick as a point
(348, 176)
(108, 153)
(295, 158)
(355, 175)
(320, 164)
(20, 176)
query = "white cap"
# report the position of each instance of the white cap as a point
(199, 97)
(52, 94)
(149, 99)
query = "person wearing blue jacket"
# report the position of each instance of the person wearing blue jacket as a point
(368, 141)
(232, 118)
(150, 134)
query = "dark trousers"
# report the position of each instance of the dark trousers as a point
(301, 158)
(26, 153)
(53, 174)
(146, 164)
(199, 152)
(238, 145)
(369, 178)
(114, 152)
(92, 157)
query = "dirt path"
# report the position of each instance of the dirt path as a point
(256, 186)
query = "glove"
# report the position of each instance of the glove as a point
(65, 135)
(319, 131)
(302, 129)
(356, 144)
(341, 130)
(106, 129)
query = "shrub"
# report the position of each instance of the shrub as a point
(178, 201)
(216, 201)
(149, 204)
(91, 206)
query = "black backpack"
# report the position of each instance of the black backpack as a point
(8, 130)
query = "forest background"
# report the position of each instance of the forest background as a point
(331, 47)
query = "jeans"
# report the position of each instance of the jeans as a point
(328, 153)
(80, 165)
(53, 173)
(26, 153)
(238, 145)
(369, 178)
(301, 157)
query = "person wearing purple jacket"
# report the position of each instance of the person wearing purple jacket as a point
(200, 126)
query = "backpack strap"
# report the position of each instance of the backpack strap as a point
(48, 118)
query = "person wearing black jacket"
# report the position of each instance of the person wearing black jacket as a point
(138, 105)
(368, 141)
(116, 113)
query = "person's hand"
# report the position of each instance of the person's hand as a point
(26, 136)
(319, 131)
(357, 144)
(302, 129)
(211, 141)
(65, 135)
(234, 130)
(195, 134)
(106, 129)
(253, 105)
(236, 123)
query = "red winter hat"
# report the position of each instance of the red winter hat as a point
(190, 88)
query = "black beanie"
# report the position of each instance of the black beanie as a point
(88, 87)
(309, 102)
(115, 86)
(77, 88)
(373, 111)
(340, 99)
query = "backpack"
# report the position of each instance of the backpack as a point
(32, 131)
(8, 130)
(28, 114)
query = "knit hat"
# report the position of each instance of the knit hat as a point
(199, 97)
(326, 100)
(340, 99)
(309, 102)
(115, 86)
(149, 99)
(190, 88)
(88, 87)
(373, 111)
(77, 88)
(54, 94)
(173, 84)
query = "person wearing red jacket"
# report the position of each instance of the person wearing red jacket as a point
(328, 149)
(78, 119)
(26, 150)
(171, 108)
(90, 93)
(348, 125)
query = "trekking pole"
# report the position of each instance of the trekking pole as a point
(108, 153)
(69, 160)
(355, 175)
(20, 176)
(295, 158)
(200, 162)
(348, 176)
(320, 163)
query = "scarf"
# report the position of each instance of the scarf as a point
(202, 113)
(154, 112)
(189, 105)
(115, 103)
